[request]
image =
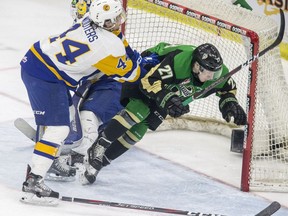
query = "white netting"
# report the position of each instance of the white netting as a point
(148, 24)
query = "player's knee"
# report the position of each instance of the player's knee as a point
(126, 118)
(89, 122)
(138, 131)
(137, 109)
(134, 135)
(56, 134)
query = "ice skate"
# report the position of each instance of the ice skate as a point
(94, 161)
(88, 174)
(36, 192)
(76, 159)
(61, 170)
(96, 152)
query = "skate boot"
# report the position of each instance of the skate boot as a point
(35, 191)
(60, 170)
(76, 158)
(97, 151)
(94, 161)
(88, 174)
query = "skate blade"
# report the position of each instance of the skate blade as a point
(32, 199)
(54, 177)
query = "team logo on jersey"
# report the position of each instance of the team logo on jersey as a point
(184, 89)
(106, 7)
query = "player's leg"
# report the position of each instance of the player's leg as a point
(117, 148)
(135, 112)
(50, 104)
(94, 110)
(134, 135)
(60, 170)
(97, 110)
(125, 142)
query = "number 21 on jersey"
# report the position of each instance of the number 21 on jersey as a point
(165, 72)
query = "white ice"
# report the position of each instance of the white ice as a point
(180, 170)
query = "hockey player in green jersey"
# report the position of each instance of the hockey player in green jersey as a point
(165, 90)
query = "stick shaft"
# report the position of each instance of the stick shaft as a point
(135, 207)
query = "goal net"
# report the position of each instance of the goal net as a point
(262, 89)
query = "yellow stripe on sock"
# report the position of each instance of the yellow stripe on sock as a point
(47, 149)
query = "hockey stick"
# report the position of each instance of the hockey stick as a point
(268, 211)
(135, 206)
(30, 132)
(232, 72)
(25, 128)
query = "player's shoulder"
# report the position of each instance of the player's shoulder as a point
(111, 42)
(100, 38)
(225, 70)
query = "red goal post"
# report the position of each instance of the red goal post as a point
(262, 88)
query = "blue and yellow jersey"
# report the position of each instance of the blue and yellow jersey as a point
(82, 52)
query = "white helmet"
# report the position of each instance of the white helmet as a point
(106, 10)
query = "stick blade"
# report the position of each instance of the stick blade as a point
(25, 128)
(270, 210)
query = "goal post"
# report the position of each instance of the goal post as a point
(239, 34)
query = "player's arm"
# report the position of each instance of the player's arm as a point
(228, 103)
(128, 67)
(153, 86)
(147, 61)
(129, 51)
(120, 68)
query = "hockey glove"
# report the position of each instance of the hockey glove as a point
(175, 108)
(229, 107)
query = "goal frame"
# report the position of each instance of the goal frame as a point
(254, 49)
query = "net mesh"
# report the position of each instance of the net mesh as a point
(150, 22)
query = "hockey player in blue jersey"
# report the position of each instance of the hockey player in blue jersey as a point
(95, 111)
(92, 49)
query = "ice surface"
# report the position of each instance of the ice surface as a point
(180, 170)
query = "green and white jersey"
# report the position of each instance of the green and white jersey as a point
(173, 76)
